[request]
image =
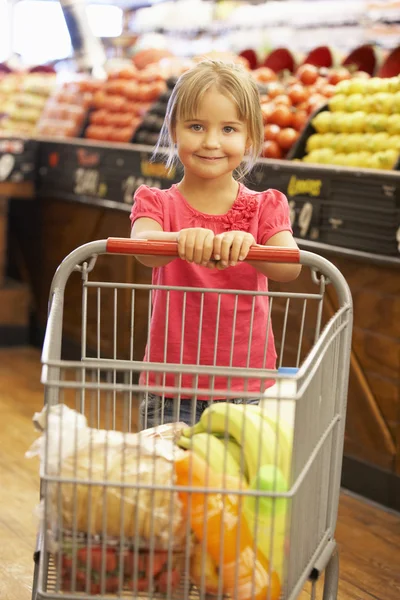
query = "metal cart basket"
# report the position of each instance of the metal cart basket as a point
(125, 531)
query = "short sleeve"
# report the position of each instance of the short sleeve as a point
(274, 215)
(147, 203)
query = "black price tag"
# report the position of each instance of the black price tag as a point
(17, 160)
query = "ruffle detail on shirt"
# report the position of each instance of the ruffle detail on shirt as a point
(237, 219)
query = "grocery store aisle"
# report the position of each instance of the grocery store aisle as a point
(368, 537)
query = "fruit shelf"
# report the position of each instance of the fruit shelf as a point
(350, 207)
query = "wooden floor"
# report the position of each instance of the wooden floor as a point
(368, 537)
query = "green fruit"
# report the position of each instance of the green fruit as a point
(214, 451)
(255, 436)
(269, 479)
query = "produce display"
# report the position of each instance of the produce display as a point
(361, 127)
(136, 532)
(290, 100)
(22, 99)
(66, 110)
(149, 129)
(121, 104)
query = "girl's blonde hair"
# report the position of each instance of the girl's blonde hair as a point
(229, 79)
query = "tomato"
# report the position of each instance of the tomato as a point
(99, 99)
(97, 132)
(287, 137)
(115, 86)
(282, 100)
(120, 119)
(131, 90)
(266, 110)
(121, 134)
(264, 74)
(308, 74)
(114, 103)
(328, 91)
(275, 89)
(299, 119)
(271, 149)
(97, 117)
(271, 132)
(339, 74)
(126, 73)
(315, 101)
(281, 116)
(298, 93)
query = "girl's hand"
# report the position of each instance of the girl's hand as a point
(231, 247)
(196, 245)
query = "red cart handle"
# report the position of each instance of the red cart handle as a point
(270, 254)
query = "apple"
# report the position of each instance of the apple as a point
(396, 102)
(393, 124)
(393, 143)
(376, 123)
(382, 102)
(356, 122)
(375, 85)
(343, 87)
(353, 102)
(337, 103)
(322, 122)
(358, 86)
(322, 156)
(315, 141)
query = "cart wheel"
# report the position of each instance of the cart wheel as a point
(332, 577)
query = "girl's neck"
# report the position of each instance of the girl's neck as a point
(209, 195)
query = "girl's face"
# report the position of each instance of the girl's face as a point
(212, 143)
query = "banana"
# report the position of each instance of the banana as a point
(212, 450)
(281, 434)
(255, 435)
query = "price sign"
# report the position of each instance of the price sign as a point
(305, 218)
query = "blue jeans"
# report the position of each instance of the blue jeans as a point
(159, 411)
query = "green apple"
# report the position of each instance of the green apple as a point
(337, 102)
(393, 143)
(385, 160)
(358, 85)
(376, 123)
(396, 102)
(339, 159)
(322, 122)
(375, 85)
(382, 103)
(393, 84)
(321, 156)
(343, 87)
(393, 124)
(353, 102)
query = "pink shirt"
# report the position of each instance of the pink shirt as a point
(213, 332)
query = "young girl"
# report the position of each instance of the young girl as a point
(214, 125)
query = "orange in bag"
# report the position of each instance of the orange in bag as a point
(215, 518)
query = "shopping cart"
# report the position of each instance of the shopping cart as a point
(144, 548)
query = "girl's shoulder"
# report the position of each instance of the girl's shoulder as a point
(270, 196)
